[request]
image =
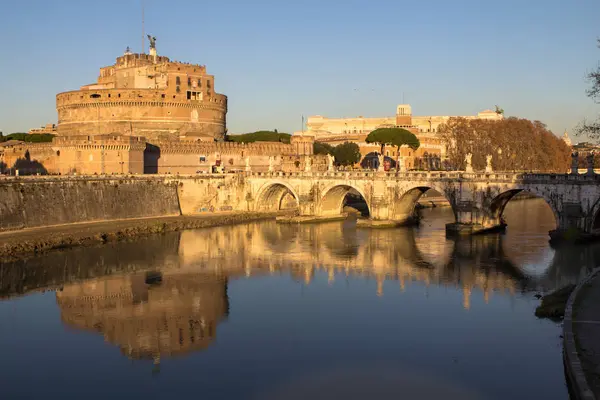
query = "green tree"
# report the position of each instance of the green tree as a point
(260, 136)
(346, 154)
(393, 137)
(25, 137)
(322, 148)
(592, 128)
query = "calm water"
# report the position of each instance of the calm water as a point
(267, 311)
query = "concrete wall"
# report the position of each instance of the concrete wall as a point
(33, 203)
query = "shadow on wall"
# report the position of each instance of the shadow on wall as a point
(3, 168)
(151, 156)
(27, 166)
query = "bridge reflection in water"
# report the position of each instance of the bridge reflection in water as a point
(105, 289)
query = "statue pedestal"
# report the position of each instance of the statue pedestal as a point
(488, 170)
(469, 169)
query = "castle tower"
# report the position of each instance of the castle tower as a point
(145, 95)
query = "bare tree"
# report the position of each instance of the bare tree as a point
(592, 128)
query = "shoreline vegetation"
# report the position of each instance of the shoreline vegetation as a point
(26, 243)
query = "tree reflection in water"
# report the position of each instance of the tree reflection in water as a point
(103, 288)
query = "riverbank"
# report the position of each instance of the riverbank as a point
(581, 336)
(25, 242)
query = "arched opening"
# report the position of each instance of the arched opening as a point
(343, 198)
(523, 210)
(423, 202)
(277, 197)
(528, 218)
(371, 161)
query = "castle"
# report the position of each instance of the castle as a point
(148, 114)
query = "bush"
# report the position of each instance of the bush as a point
(34, 138)
(322, 148)
(347, 154)
(260, 136)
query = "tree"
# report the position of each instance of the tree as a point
(515, 145)
(346, 154)
(394, 137)
(260, 136)
(592, 128)
(322, 148)
(25, 137)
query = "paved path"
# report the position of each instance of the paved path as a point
(582, 339)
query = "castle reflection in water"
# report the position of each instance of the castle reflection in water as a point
(107, 290)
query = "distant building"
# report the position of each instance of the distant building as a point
(48, 128)
(567, 139)
(339, 130)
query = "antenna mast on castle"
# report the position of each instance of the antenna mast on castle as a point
(143, 30)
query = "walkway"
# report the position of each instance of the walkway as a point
(582, 338)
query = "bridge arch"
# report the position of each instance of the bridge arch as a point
(332, 200)
(404, 204)
(595, 217)
(499, 203)
(275, 195)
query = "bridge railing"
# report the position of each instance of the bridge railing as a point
(349, 175)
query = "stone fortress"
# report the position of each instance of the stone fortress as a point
(148, 114)
(145, 95)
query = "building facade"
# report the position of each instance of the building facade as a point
(335, 131)
(145, 95)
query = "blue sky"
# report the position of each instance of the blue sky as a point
(279, 60)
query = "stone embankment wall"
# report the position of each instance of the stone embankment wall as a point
(28, 203)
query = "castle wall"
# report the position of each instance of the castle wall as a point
(139, 112)
(116, 154)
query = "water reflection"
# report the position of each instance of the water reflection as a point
(104, 289)
(177, 315)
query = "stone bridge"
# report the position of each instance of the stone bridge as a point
(477, 199)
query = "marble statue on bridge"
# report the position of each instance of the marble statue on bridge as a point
(488, 165)
(590, 163)
(330, 162)
(469, 167)
(307, 164)
(575, 163)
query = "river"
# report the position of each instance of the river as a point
(268, 311)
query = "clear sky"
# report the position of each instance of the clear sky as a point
(279, 60)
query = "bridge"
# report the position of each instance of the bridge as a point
(477, 199)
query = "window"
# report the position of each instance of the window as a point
(162, 95)
(208, 84)
(94, 96)
(177, 89)
(177, 81)
(189, 81)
